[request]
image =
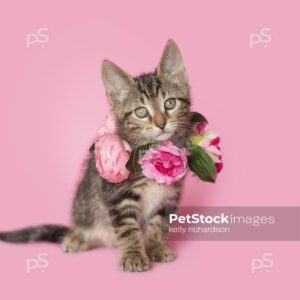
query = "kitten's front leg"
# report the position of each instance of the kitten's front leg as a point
(156, 246)
(130, 239)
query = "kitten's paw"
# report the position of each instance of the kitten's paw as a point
(134, 262)
(160, 252)
(74, 242)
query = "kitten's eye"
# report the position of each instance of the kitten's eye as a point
(170, 104)
(141, 112)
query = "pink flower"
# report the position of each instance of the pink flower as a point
(166, 163)
(200, 127)
(209, 141)
(111, 152)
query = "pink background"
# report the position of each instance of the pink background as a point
(53, 102)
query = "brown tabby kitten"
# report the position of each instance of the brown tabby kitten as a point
(132, 215)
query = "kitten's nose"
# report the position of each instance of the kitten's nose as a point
(161, 125)
(160, 121)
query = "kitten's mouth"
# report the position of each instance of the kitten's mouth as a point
(163, 136)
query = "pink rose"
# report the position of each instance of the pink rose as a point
(166, 163)
(112, 153)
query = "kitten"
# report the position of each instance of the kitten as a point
(132, 215)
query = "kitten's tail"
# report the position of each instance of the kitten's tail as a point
(49, 233)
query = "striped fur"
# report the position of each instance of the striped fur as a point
(132, 215)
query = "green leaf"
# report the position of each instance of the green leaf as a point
(136, 154)
(196, 117)
(201, 164)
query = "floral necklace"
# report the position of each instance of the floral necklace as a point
(165, 163)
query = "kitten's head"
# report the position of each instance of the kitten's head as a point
(152, 107)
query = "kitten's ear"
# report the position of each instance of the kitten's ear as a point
(171, 64)
(117, 82)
